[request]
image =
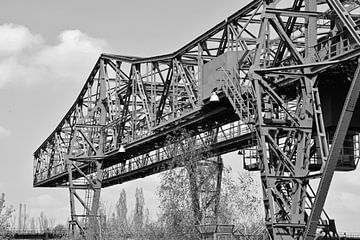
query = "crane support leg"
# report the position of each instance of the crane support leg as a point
(337, 143)
(88, 223)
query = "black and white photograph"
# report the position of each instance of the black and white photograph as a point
(180, 120)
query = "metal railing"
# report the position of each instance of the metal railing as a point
(33, 232)
(349, 235)
(240, 95)
(226, 132)
(332, 47)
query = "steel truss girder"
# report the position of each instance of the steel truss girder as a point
(126, 118)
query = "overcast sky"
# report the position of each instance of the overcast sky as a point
(47, 50)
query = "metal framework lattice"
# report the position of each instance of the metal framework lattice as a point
(268, 63)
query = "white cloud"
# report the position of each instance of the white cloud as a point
(73, 57)
(4, 132)
(26, 58)
(15, 39)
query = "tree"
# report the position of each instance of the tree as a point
(45, 223)
(240, 203)
(32, 225)
(190, 194)
(200, 168)
(121, 211)
(60, 229)
(154, 231)
(102, 221)
(176, 214)
(138, 220)
(5, 214)
(117, 224)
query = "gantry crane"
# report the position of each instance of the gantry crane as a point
(278, 80)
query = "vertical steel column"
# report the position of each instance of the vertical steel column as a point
(283, 143)
(269, 211)
(210, 195)
(94, 218)
(94, 222)
(72, 191)
(337, 143)
(219, 171)
(95, 136)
